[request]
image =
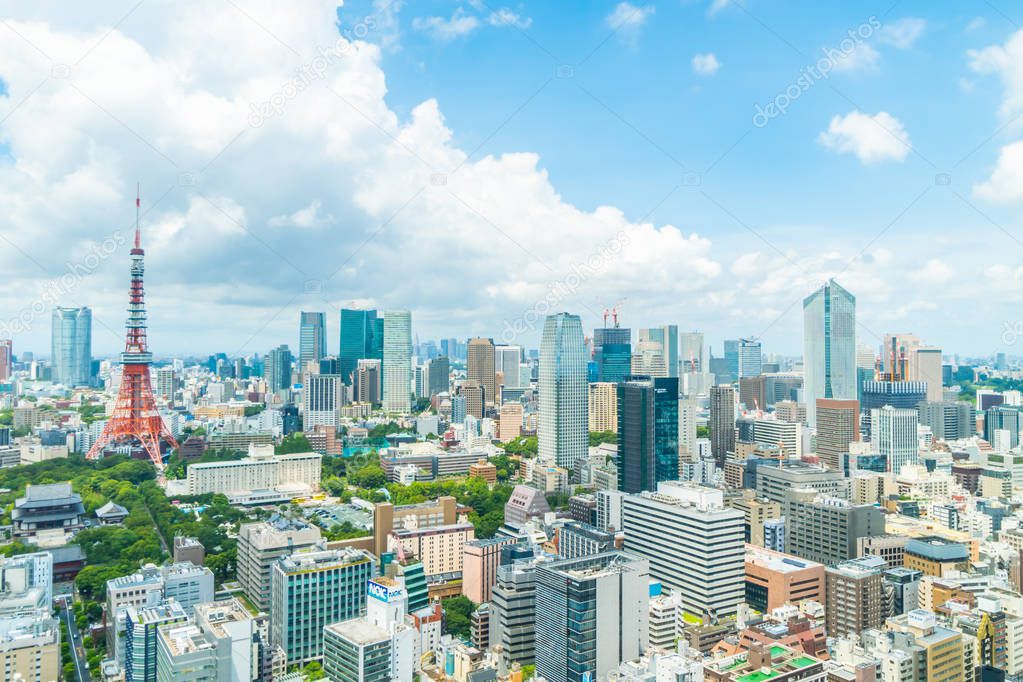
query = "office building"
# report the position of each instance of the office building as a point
(322, 398)
(855, 596)
(510, 422)
(262, 472)
(71, 346)
(612, 351)
(277, 368)
(562, 437)
(507, 364)
(647, 432)
(480, 560)
(480, 368)
(573, 644)
(777, 482)
(907, 395)
(397, 370)
(312, 338)
(475, 398)
(6, 360)
(312, 589)
(260, 545)
(361, 338)
(943, 650)
(577, 539)
(603, 407)
(722, 422)
(949, 420)
(367, 381)
(436, 377)
(750, 360)
(935, 556)
(692, 352)
(825, 529)
(774, 579)
(30, 648)
(439, 548)
(893, 435)
(829, 346)
(513, 610)
(693, 542)
(140, 644)
(380, 646)
(838, 425)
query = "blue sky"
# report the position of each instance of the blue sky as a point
(554, 129)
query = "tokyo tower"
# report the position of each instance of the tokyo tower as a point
(135, 416)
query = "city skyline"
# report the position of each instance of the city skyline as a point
(890, 197)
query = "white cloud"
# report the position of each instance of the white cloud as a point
(506, 17)
(459, 24)
(935, 271)
(706, 64)
(308, 217)
(334, 196)
(975, 24)
(1006, 62)
(871, 139)
(1006, 182)
(862, 57)
(627, 19)
(903, 33)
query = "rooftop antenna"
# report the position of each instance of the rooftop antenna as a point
(138, 216)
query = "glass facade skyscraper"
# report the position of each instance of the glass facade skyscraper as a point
(829, 346)
(362, 338)
(647, 433)
(397, 351)
(71, 345)
(562, 435)
(312, 337)
(612, 351)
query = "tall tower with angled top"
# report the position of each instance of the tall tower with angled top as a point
(135, 417)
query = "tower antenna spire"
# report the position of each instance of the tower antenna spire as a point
(138, 216)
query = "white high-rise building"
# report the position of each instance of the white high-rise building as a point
(687, 429)
(321, 400)
(893, 434)
(691, 352)
(506, 362)
(829, 347)
(750, 358)
(397, 361)
(695, 545)
(562, 436)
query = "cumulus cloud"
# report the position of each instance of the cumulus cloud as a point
(871, 139)
(705, 64)
(1006, 182)
(902, 34)
(326, 196)
(1006, 62)
(459, 24)
(862, 57)
(627, 19)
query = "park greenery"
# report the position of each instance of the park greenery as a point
(458, 615)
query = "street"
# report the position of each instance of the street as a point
(77, 650)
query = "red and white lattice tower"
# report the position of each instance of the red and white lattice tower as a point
(135, 416)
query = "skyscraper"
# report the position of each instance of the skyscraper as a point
(312, 338)
(722, 422)
(829, 346)
(71, 345)
(731, 348)
(506, 363)
(277, 368)
(358, 336)
(838, 425)
(647, 433)
(6, 359)
(397, 361)
(561, 434)
(573, 643)
(612, 351)
(750, 358)
(692, 352)
(893, 435)
(479, 368)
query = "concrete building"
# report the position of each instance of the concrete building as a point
(312, 589)
(480, 368)
(838, 425)
(513, 611)
(526, 503)
(30, 648)
(260, 545)
(826, 530)
(855, 596)
(439, 548)
(510, 422)
(480, 561)
(774, 579)
(577, 539)
(893, 435)
(777, 483)
(936, 556)
(572, 642)
(386, 518)
(722, 422)
(140, 643)
(603, 408)
(292, 475)
(694, 545)
(776, 663)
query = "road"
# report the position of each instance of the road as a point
(77, 650)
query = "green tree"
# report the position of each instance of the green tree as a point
(457, 612)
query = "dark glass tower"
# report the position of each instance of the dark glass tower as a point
(362, 337)
(647, 432)
(612, 351)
